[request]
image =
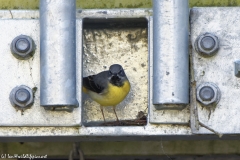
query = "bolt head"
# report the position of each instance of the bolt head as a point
(237, 68)
(208, 94)
(22, 47)
(21, 97)
(207, 44)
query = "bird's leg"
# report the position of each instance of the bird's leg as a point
(115, 112)
(101, 107)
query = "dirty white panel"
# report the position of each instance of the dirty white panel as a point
(219, 69)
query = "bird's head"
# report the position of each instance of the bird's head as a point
(116, 75)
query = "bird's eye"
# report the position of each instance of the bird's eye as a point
(121, 72)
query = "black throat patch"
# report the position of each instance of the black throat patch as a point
(116, 81)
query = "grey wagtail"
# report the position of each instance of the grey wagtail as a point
(108, 88)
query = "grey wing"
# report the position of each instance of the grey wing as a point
(96, 83)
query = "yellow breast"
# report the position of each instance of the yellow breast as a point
(113, 96)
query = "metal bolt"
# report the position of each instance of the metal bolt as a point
(208, 94)
(21, 97)
(237, 68)
(207, 44)
(22, 47)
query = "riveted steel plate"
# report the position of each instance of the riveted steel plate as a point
(101, 47)
(16, 72)
(65, 128)
(218, 69)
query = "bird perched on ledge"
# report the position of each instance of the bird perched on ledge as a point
(108, 88)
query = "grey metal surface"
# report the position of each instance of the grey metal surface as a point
(21, 97)
(16, 72)
(58, 54)
(237, 68)
(162, 116)
(170, 54)
(114, 13)
(208, 94)
(23, 47)
(207, 44)
(218, 69)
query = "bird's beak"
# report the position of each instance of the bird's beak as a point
(116, 76)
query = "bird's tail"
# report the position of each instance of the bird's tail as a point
(85, 90)
(85, 84)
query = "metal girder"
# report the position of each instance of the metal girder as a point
(219, 69)
(92, 44)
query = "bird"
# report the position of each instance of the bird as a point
(107, 88)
